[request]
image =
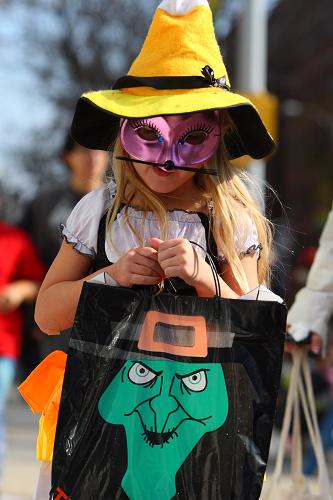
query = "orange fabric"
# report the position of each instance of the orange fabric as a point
(42, 391)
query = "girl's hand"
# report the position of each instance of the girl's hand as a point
(178, 258)
(139, 266)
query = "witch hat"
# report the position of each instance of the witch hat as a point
(179, 70)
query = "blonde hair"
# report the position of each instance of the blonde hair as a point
(233, 208)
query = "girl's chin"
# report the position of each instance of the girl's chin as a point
(166, 187)
(161, 181)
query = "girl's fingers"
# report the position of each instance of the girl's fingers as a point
(155, 243)
(170, 244)
(141, 270)
(172, 272)
(175, 248)
(148, 257)
(168, 253)
(138, 279)
(148, 252)
(144, 261)
(148, 264)
(169, 262)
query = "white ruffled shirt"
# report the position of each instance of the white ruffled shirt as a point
(81, 228)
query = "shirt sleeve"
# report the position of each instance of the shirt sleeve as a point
(81, 228)
(246, 238)
(313, 305)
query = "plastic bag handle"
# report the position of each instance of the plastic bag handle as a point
(310, 413)
(300, 392)
(269, 490)
(296, 450)
(292, 391)
(213, 268)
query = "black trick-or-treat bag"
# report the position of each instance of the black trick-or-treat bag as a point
(167, 396)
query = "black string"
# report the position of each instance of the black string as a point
(170, 169)
(213, 268)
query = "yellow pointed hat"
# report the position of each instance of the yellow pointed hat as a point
(179, 70)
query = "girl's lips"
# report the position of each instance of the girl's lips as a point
(162, 172)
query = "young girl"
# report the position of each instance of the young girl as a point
(173, 128)
(152, 215)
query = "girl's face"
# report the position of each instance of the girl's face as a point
(185, 140)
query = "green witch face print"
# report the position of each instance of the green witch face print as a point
(166, 407)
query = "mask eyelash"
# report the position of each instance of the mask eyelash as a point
(200, 127)
(136, 123)
(145, 123)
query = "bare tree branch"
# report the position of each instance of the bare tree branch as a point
(71, 47)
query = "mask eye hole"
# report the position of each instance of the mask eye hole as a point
(147, 133)
(195, 138)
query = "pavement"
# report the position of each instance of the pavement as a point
(21, 467)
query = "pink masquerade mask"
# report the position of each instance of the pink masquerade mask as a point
(172, 141)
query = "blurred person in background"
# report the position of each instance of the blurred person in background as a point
(21, 273)
(49, 209)
(42, 220)
(313, 305)
(310, 315)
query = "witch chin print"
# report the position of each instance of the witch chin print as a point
(166, 407)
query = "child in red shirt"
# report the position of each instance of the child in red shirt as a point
(21, 273)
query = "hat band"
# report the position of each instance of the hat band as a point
(173, 82)
(161, 82)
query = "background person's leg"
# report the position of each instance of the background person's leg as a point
(44, 481)
(7, 374)
(326, 433)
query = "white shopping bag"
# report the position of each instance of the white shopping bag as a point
(295, 485)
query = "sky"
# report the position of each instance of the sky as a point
(21, 103)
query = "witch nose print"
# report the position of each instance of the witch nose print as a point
(163, 405)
